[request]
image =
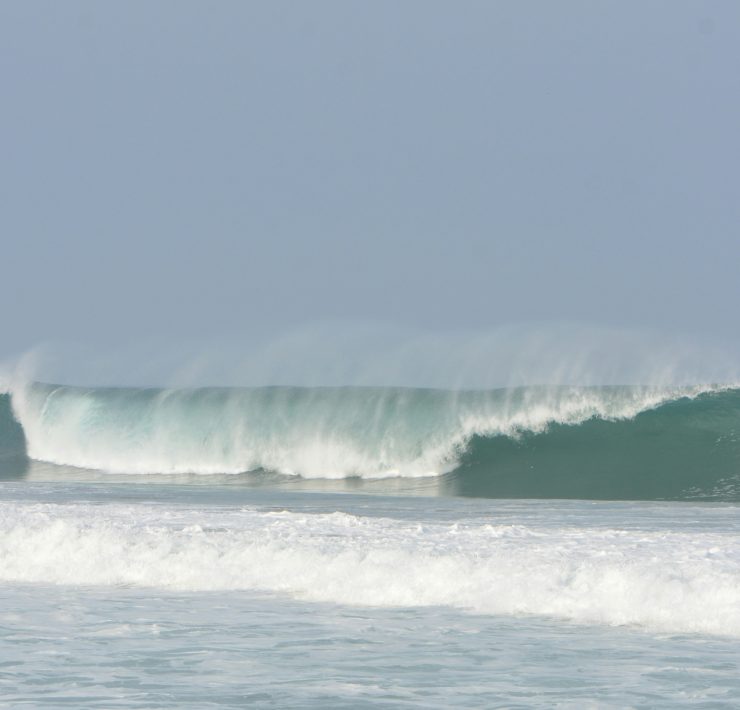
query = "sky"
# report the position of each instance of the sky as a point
(194, 170)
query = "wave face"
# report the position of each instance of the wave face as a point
(596, 442)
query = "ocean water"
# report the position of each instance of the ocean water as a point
(367, 547)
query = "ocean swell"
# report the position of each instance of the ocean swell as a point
(594, 442)
(313, 432)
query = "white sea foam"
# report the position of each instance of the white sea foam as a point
(662, 580)
(316, 433)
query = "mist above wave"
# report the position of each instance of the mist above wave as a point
(381, 355)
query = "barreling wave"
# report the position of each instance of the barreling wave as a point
(593, 442)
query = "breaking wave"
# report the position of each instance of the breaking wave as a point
(592, 442)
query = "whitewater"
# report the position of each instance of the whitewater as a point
(369, 547)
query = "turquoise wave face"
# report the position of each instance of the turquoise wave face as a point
(12, 440)
(687, 449)
(13, 460)
(538, 442)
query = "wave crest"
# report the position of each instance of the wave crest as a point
(312, 432)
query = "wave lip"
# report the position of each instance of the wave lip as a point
(312, 432)
(657, 579)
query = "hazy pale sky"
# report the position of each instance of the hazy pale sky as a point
(200, 169)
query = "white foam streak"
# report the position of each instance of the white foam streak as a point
(668, 581)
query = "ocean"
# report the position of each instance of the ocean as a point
(369, 547)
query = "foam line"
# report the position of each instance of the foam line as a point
(660, 580)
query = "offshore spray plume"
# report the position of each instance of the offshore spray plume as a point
(366, 354)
